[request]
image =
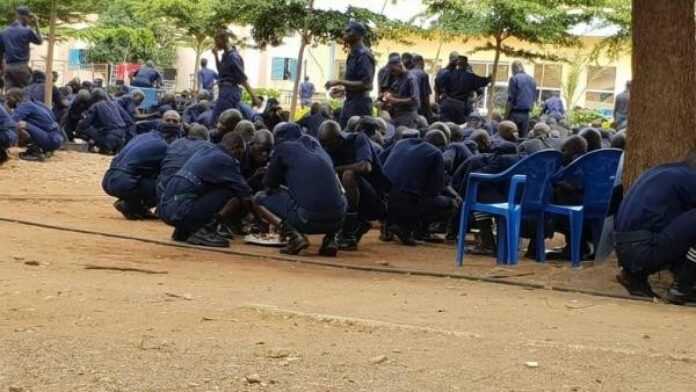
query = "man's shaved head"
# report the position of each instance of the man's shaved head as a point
(352, 123)
(619, 140)
(541, 130)
(506, 130)
(246, 129)
(440, 126)
(593, 138)
(573, 148)
(330, 135)
(171, 117)
(228, 121)
(437, 138)
(263, 137)
(482, 139)
(234, 145)
(198, 132)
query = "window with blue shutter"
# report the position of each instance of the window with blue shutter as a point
(283, 68)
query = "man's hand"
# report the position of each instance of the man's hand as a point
(332, 83)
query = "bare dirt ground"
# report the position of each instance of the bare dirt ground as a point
(184, 319)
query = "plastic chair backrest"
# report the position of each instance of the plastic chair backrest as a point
(598, 170)
(539, 168)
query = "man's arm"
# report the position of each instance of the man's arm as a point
(362, 167)
(36, 37)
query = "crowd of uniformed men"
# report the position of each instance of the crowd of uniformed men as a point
(213, 166)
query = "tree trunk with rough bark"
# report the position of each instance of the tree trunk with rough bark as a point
(48, 88)
(662, 125)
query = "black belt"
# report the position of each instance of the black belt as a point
(633, 236)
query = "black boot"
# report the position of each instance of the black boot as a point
(636, 284)
(126, 210)
(385, 235)
(33, 153)
(364, 227)
(4, 157)
(682, 290)
(207, 236)
(346, 238)
(179, 235)
(404, 234)
(329, 246)
(297, 242)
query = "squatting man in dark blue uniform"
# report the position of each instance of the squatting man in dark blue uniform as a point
(656, 230)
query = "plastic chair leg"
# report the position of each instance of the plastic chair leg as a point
(461, 239)
(576, 221)
(513, 237)
(540, 240)
(501, 238)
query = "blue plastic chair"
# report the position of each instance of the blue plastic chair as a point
(530, 177)
(597, 172)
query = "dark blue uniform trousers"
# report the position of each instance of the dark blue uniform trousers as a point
(408, 211)
(47, 141)
(107, 140)
(229, 98)
(189, 212)
(454, 110)
(657, 251)
(355, 106)
(137, 191)
(282, 205)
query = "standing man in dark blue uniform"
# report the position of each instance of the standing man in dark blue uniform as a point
(358, 167)
(656, 230)
(209, 189)
(522, 92)
(359, 77)
(36, 126)
(303, 193)
(307, 91)
(402, 98)
(8, 133)
(147, 76)
(231, 75)
(457, 86)
(14, 47)
(424, 88)
(206, 77)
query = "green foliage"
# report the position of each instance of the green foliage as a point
(274, 20)
(536, 22)
(124, 34)
(583, 117)
(261, 92)
(614, 14)
(67, 11)
(194, 23)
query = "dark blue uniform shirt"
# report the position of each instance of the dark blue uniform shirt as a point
(416, 167)
(231, 68)
(657, 198)
(306, 169)
(15, 40)
(455, 154)
(35, 114)
(206, 78)
(104, 115)
(423, 83)
(405, 86)
(522, 92)
(357, 147)
(207, 170)
(147, 76)
(8, 133)
(142, 156)
(192, 112)
(128, 104)
(178, 153)
(312, 123)
(360, 67)
(460, 84)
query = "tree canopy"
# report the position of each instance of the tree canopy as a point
(67, 11)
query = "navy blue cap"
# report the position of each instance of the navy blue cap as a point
(357, 28)
(23, 10)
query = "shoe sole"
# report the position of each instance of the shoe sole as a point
(207, 244)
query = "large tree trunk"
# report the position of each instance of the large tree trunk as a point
(48, 89)
(197, 67)
(663, 98)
